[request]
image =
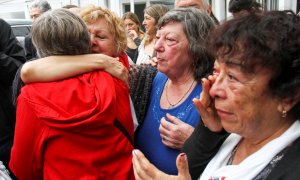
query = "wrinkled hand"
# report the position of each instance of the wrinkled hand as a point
(175, 132)
(115, 68)
(144, 170)
(206, 107)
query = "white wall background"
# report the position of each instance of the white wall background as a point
(19, 8)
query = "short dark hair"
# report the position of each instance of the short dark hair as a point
(270, 40)
(239, 5)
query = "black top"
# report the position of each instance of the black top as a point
(201, 147)
(239, 5)
(132, 52)
(30, 48)
(12, 56)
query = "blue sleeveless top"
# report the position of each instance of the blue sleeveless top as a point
(148, 138)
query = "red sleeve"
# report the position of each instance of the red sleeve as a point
(123, 58)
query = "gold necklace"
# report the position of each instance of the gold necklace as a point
(173, 105)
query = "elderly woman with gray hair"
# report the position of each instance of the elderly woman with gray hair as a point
(182, 61)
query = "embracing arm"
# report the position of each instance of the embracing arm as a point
(55, 68)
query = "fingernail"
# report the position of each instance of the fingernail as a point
(183, 155)
(202, 80)
(195, 100)
(134, 153)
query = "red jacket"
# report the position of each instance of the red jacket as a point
(77, 128)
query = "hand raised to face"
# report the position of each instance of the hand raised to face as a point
(132, 34)
(206, 108)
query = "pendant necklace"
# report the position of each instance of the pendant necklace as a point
(175, 104)
(233, 153)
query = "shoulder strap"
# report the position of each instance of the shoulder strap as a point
(123, 130)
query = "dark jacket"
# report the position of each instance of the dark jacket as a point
(201, 147)
(30, 48)
(12, 56)
(204, 144)
(289, 166)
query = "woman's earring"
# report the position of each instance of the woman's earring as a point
(284, 113)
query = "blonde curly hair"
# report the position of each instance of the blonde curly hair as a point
(92, 13)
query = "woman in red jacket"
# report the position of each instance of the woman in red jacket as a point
(80, 127)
